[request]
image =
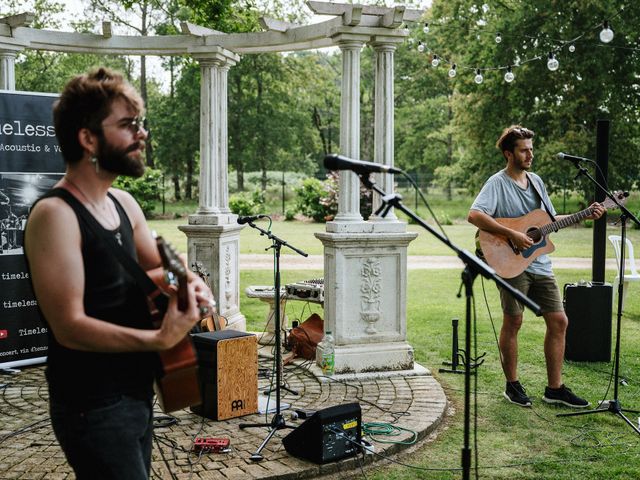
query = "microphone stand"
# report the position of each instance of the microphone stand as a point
(473, 267)
(277, 422)
(614, 406)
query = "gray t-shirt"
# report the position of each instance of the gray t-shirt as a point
(502, 197)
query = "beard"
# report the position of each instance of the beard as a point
(117, 160)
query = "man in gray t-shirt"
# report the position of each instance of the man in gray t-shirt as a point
(511, 193)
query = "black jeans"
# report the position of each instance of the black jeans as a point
(108, 441)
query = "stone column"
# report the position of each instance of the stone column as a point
(349, 186)
(213, 233)
(7, 69)
(365, 263)
(384, 48)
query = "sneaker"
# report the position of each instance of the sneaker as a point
(515, 393)
(564, 396)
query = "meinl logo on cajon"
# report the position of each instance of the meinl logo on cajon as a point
(228, 370)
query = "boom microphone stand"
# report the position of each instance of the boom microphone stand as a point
(473, 267)
(277, 422)
(614, 405)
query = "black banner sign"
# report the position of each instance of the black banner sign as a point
(30, 164)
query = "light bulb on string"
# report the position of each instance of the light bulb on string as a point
(452, 71)
(425, 29)
(552, 63)
(606, 34)
(509, 76)
(572, 48)
(478, 78)
(435, 61)
(420, 47)
(498, 37)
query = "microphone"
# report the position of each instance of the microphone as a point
(338, 162)
(573, 158)
(250, 218)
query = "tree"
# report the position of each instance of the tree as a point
(596, 81)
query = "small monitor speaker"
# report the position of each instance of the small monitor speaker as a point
(328, 435)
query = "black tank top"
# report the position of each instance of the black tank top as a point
(82, 379)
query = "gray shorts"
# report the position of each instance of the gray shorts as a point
(542, 289)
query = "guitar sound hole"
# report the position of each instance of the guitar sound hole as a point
(534, 234)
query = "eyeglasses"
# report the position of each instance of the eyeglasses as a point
(134, 125)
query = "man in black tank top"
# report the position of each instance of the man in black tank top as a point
(101, 356)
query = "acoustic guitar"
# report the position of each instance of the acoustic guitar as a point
(505, 258)
(177, 384)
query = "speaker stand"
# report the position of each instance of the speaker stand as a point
(277, 422)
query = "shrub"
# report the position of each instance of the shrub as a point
(246, 203)
(314, 200)
(290, 214)
(146, 189)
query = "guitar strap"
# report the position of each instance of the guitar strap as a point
(158, 299)
(544, 203)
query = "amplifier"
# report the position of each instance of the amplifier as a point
(588, 308)
(328, 435)
(228, 371)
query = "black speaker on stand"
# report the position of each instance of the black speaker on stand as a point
(588, 308)
(328, 435)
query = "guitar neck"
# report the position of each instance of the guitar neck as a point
(566, 221)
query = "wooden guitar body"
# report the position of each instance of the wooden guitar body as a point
(507, 261)
(177, 384)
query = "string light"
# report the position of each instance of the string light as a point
(509, 76)
(606, 34)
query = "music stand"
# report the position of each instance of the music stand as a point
(614, 406)
(473, 267)
(277, 422)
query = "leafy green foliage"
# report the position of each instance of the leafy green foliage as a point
(562, 107)
(313, 200)
(146, 189)
(245, 203)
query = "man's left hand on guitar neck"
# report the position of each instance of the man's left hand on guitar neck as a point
(597, 208)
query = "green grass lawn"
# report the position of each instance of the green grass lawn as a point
(539, 444)
(533, 443)
(570, 242)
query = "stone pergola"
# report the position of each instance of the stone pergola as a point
(365, 260)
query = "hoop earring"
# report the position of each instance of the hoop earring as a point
(94, 160)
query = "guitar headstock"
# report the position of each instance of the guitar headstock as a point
(175, 271)
(620, 196)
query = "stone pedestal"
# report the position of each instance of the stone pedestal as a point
(365, 297)
(217, 248)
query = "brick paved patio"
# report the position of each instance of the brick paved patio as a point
(29, 450)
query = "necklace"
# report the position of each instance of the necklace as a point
(114, 218)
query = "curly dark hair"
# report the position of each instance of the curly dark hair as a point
(84, 103)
